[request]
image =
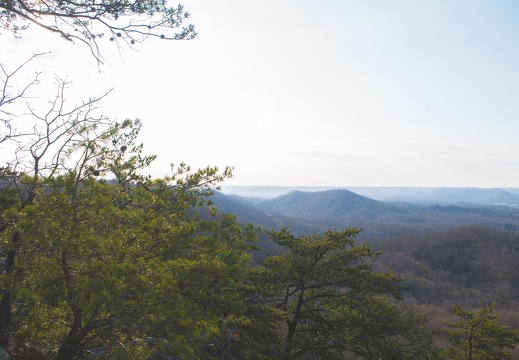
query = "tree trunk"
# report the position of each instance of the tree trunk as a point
(68, 349)
(5, 304)
(72, 344)
(292, 324)
(5, 319)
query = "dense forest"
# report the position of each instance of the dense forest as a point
(470, 265)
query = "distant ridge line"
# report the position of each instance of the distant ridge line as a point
(425, 195)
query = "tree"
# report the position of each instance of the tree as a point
(89, 262)
(135, 267)
(102, 264)
(89, 21)
(334, 302)
(477, 335)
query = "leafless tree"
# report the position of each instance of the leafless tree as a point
(57, 133)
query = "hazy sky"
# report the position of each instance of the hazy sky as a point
(328, 92)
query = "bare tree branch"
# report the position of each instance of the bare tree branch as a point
(57, 134)
(123, 22)
(8, 96)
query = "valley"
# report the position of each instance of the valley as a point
(449, 245)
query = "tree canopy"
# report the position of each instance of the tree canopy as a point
(477, 335)
(96, 263)
(334, 303)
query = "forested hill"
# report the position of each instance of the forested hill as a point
(333, 204)
(472, 265)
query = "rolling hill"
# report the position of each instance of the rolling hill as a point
(313, 212)
(329, 204)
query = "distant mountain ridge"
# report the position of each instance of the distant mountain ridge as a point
(416, 195)
(444, 195)
(315, 212)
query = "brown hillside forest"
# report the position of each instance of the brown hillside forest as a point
(147, 268)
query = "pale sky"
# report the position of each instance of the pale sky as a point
(318, 93)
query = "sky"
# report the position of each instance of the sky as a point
(316, 93)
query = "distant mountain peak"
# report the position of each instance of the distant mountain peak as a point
(334, 203)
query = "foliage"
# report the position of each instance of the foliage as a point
(477, 335)
(334, 303)
(130, 267)
(109, 264)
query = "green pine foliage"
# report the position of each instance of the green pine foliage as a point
(335, 305)
(108, 264)
(477, 335)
